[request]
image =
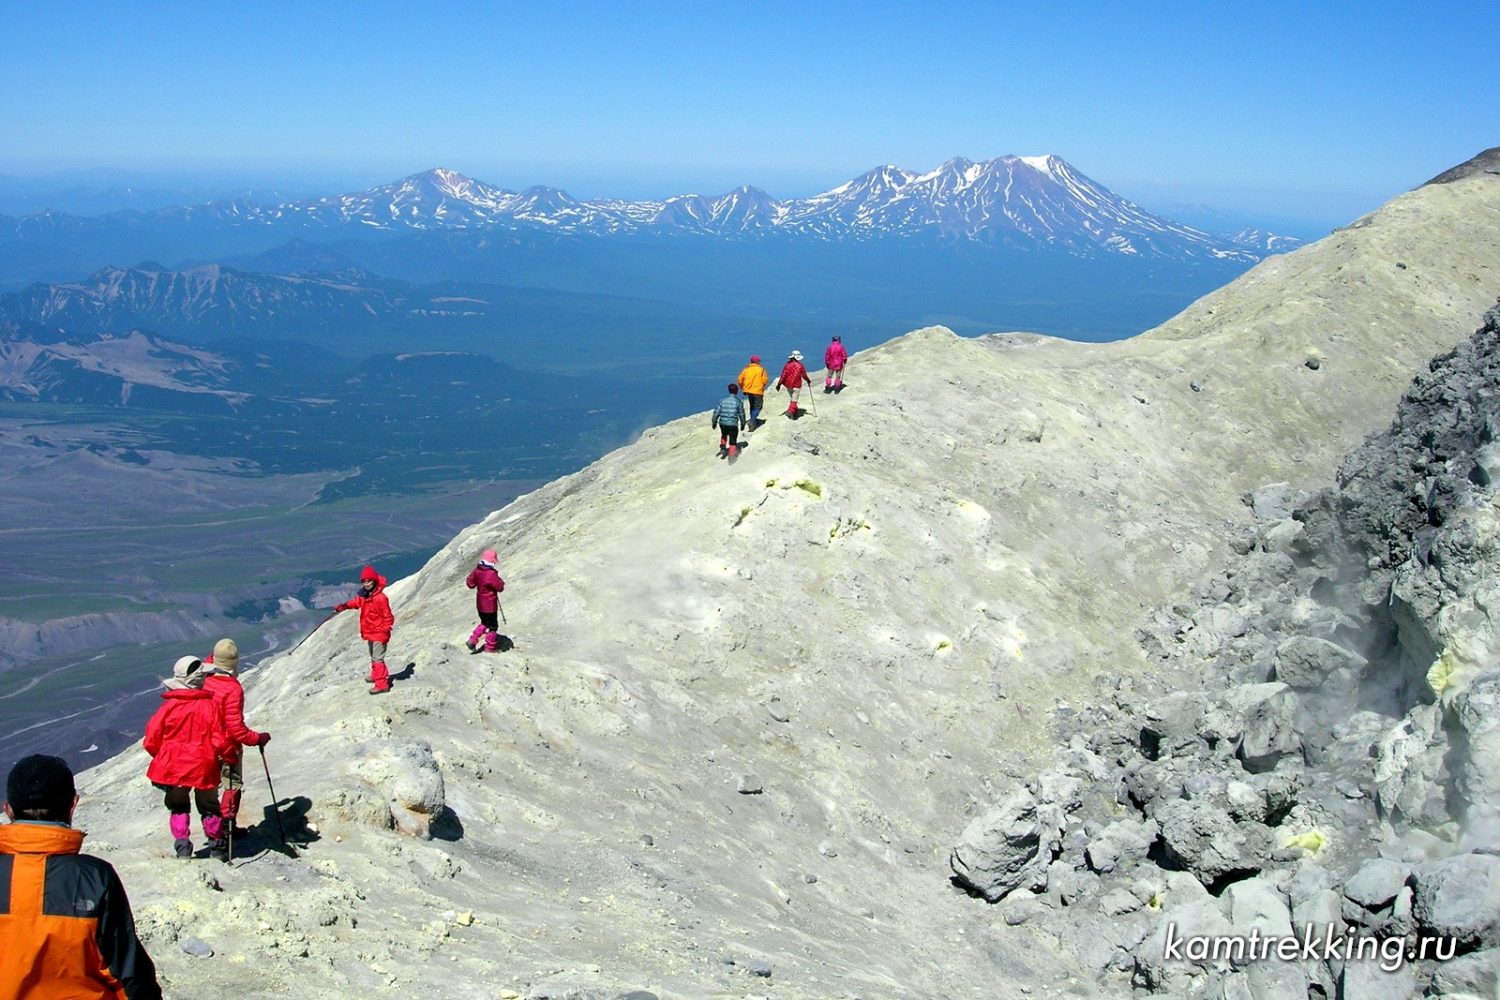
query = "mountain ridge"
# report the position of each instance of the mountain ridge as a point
(1020, 202)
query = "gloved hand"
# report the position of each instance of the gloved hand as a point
(262, 739)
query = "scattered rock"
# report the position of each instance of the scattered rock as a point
(1376, 883)
(1459, 897)
(1122, 843)
(1268, 713)
(748, 784)
(1207, 842)
(1012, 844)
(1307, 661)
(194, 947)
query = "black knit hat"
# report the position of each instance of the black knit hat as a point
(40, 784)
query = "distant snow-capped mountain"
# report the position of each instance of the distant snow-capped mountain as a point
(1016, 202)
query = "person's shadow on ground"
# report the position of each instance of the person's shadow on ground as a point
(283, 828)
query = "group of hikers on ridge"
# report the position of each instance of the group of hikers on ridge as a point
(197, 735)
(729, 415)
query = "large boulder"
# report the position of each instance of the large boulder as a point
(1459, 898)
(1207, 841)
(406, 778)
(1307, 662)
(1269, 723)
(1013, 843)
(1257, 905)
(1122, 844)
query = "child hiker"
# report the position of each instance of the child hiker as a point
(835, 357)
(729, 417)
(186, 739)
(484, 580)
(375, 623)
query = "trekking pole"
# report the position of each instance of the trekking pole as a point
(309, 635)
(275, 802)
(229, 849)
(502, 613)
(810, 395)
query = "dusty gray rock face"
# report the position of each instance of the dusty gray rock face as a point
(1474, 974)
(1410, 773)
(1339, 728)
(1476, 710)
(1257, 905)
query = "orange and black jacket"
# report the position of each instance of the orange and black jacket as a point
(65, 924)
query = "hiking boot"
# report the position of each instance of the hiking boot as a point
(182, 848)
(219, 849)
(733, 451)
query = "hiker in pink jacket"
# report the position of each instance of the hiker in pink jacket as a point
(835, 358)
(484, 580)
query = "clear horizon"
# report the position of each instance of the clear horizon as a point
(1294, 112)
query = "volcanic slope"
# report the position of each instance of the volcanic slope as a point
(751, 705)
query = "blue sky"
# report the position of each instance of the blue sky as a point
(1297, 109)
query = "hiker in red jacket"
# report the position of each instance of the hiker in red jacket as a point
(793, 377)
(186, 738)
(375, 623)
(223, 683)
(834, 358)
(484, 580)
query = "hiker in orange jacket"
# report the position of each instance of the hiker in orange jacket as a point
(66, 930)
(793, 377)
(375, 624)
(752, 383)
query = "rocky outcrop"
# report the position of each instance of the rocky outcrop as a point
(1331, 760)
